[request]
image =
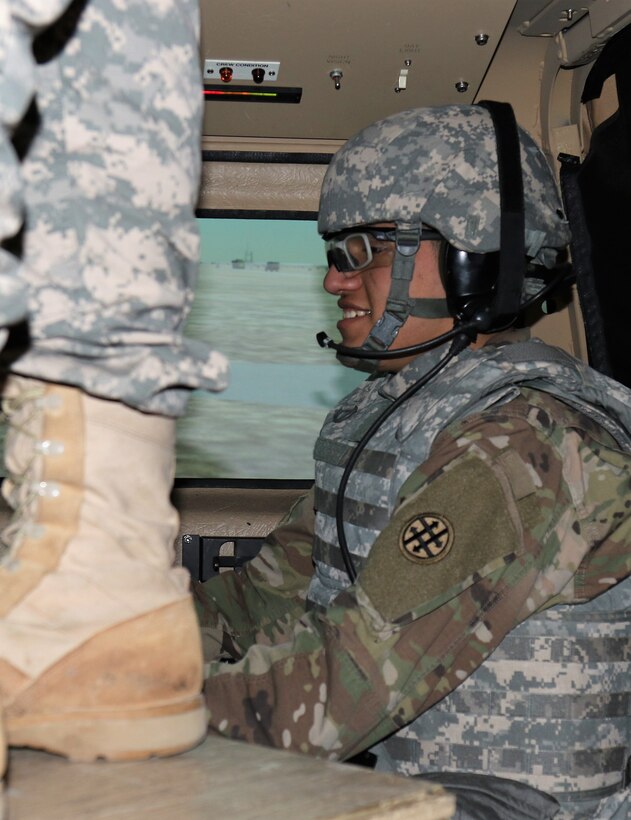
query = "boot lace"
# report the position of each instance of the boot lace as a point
(21, 411)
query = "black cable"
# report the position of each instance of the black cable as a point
(564, 276)
(461, 341)
(358, 353)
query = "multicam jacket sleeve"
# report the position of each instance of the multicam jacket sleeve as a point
(260, 602)
(535, 500)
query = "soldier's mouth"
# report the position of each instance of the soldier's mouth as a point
(352, 313)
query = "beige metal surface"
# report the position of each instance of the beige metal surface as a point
(249, 513)
(222, 780)
(261, 186)
(368, 42)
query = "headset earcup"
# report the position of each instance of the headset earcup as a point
(469, 280)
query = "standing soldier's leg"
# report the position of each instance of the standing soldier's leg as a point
(99, 652)
(17, 86)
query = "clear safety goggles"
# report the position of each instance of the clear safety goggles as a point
(351, 251)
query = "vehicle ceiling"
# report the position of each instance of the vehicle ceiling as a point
(454, 51)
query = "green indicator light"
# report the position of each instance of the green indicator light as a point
(240, 93)
(248, 94)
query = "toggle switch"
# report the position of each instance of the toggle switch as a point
(336, 75)
(403, 81)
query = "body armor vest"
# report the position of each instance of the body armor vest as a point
(512, 717)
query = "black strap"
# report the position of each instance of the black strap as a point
(581, 247)
(613, 57)
(487, 797)
(512, 255)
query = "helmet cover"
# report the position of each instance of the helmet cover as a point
(438, 166)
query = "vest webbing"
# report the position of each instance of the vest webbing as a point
(483, 725)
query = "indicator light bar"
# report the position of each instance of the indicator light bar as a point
(248, 93)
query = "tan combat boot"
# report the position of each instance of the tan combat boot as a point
(99, 647)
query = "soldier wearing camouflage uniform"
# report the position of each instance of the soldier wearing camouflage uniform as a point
(488, 519)
(100, 117)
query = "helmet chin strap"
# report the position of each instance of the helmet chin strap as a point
(399, 304)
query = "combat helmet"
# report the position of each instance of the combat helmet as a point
(436, 168)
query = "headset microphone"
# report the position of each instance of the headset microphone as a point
(468, 329)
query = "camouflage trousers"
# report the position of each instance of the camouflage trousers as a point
(100, 112)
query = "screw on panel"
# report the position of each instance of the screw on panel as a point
(481, 39)
(461, 86)
(408, 63)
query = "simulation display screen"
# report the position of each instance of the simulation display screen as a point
(260, 301)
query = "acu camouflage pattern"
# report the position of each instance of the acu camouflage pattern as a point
(549, 707)
(439, 166)
(336, 677)
(106, 191)
(17, 86)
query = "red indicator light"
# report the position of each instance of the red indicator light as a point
(226, 74)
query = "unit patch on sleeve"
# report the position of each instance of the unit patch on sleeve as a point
(427, 538)
(458, 526)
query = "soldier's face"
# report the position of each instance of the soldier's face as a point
(362, 299)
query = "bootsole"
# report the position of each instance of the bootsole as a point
(126, 735)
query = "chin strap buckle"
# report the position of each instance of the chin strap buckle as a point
(384, 332)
